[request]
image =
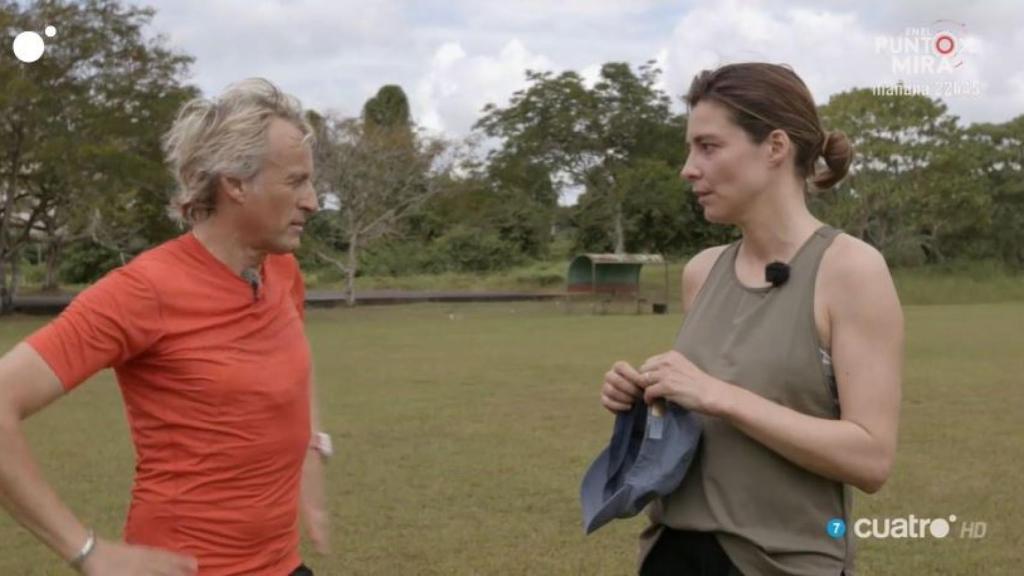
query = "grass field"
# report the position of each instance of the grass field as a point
(463, 432)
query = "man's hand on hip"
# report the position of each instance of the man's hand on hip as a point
(117, 559)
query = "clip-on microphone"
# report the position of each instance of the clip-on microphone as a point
(253, 278)
(776, 273)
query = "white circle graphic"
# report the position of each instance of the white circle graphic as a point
(28, 47)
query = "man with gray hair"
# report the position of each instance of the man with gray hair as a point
(205, 334)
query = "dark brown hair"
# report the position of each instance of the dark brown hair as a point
(765, 97)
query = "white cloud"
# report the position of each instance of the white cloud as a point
(830, 51)
(456, 86)
(835, 51)
(317, 49)
(547, 12)
(453, 57)
(590, 75)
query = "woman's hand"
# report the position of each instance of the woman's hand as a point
(675, 378)
(621, 387)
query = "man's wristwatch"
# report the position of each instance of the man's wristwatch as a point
(321, 443)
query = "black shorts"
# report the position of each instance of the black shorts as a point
(687, 553)
(302, 570)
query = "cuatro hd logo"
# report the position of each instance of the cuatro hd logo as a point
(908, 527)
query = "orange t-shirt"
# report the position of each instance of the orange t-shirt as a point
(215, 382)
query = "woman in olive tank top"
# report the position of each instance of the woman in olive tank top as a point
(791, 349)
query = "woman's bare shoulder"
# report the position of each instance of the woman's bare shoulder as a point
(696, 272)
(849, 258)
(853, 277)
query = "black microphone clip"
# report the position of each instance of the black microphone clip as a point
(776, 273)
(253, 278)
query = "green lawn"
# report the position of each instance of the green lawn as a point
(463, 432)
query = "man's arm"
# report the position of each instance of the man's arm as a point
(314, 497)
(27, 384)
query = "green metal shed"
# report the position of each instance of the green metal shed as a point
(611, 274)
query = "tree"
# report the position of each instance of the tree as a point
(79, 131)
(585, 137)
(1002, 169)
(379, 178)
(661, 216)
(389, 108)
(912, 186)
(521, 204)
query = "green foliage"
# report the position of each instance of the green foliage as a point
(1002, 168)
(587, 137)
(378, 175)
(86, 262)
(463, 248)
(590, 220)
(388, 109)
(81, 166)
(397, 258)
(325, 231)
(547, 122)
(661, 215)
(512, 201)
(521, 203)
(466, 249)
(82, 128)
(923, 189)
(915, 181)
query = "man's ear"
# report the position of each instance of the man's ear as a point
(233, 188)
(779, 146)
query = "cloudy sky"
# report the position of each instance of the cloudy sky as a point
(454, 56)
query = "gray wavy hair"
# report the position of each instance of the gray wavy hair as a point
(224, 137)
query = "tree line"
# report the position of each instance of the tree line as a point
(83, 186)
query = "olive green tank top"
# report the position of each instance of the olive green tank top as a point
(769, 515)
